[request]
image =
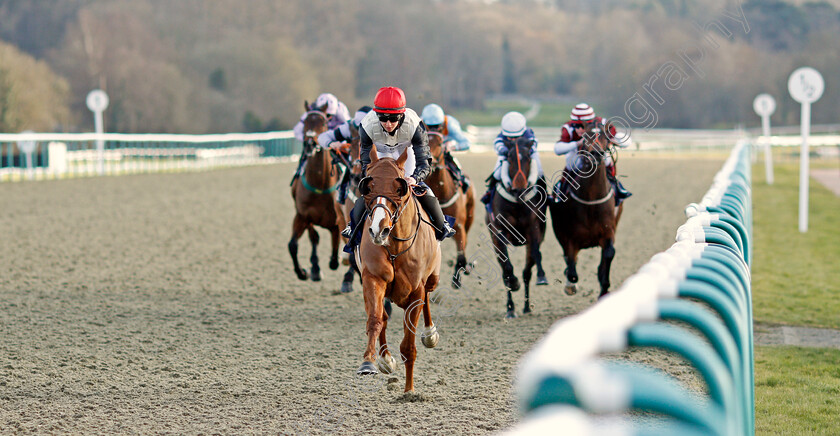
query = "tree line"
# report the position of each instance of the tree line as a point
(206, 66)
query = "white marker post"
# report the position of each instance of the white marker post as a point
(27, 147)
(806, 86)
(97, 102)
(764, 105)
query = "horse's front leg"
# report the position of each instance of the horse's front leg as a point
(509, 279)
(461, 262)
(607, 255)
(532, 257)
(334, 234)
(374, 292)
(407, 347)
(570, 254)
(298, 227)
(314, 238)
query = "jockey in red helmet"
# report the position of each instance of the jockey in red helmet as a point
(392, 128)
(571, 139)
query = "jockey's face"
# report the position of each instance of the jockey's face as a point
(389, 122)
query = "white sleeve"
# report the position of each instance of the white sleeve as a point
(561, 148)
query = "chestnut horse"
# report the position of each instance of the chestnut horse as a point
(514, 220)
(588, 216)
(452, 202)
(400, 260)
(313, 195)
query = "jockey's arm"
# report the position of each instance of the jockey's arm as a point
(339, 134)
(565, 144)
(422, 155)
(298, 129)
(365, 144)
(456, 138)
(499, 146)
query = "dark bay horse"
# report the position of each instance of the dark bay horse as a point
(453, 201)
(588, 216)
(400, 260)
(513, 221)
(313, 193)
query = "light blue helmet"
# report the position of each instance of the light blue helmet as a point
(433, 115)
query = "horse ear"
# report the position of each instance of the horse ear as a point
(306, 106)
(364, 189)
(402, 191)
(373, 156)
(403, 157)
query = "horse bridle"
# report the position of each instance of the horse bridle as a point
(311, 145)
(439, 158)
(395, 218)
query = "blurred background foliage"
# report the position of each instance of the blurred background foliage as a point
(204, 66)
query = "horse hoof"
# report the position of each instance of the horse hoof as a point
(301, 274)
(367, 368)
(346, 287)
(386, 364)
(345, 261)
(468, 268)
(430, 337)
(334, 264)
(315, 275)
(526, 310)
(570, 289)
(510, 314)
(456, 283)
(542, 281)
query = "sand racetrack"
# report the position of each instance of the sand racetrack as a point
(167, 304)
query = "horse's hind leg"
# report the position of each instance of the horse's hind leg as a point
(314, 238)
(298, 226)
(511, 309)
(347, 282)
(607, 255)
(461, 262)
(542, 280)
(429, 335)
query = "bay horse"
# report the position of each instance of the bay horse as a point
(313, 195)
(513, 221)
(399, 260)
(588, 216)
(452, 202)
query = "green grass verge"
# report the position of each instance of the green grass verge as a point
(797, 391)
(795, 276)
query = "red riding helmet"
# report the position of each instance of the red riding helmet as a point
(389, 100)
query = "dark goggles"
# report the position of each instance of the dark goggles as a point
(389, 118)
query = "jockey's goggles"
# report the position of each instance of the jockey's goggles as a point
(389, 118)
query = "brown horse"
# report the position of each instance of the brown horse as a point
(588, 216)
(313, 195)
(452, 202)
(400, 260)
(515, 221)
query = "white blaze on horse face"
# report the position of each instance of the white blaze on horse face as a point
(376, 220)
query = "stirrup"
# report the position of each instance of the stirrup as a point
(447, 232)
(347, 232)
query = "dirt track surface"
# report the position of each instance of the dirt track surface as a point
(167, 304)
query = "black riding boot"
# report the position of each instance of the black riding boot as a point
(491, 189)
(355, 217)
(432, 207)
(620, 192)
